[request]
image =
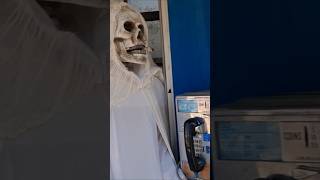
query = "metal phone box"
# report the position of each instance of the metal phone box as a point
(193, 124)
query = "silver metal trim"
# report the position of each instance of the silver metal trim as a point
(166, 51)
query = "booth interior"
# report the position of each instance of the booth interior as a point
(265, 95)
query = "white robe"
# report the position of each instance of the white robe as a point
(139, 139)
(138, 150)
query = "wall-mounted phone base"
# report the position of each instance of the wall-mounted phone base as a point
(193, 121)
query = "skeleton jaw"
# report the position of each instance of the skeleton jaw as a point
(135, 54)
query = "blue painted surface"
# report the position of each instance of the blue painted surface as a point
(265, 48)
(190, 44)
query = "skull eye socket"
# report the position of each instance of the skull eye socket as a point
(128, 26)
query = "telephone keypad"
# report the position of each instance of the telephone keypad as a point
(198, 147)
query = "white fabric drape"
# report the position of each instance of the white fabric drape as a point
(41, 68)
(51, 104)
(139, 144)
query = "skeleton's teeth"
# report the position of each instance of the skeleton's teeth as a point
(137, 52)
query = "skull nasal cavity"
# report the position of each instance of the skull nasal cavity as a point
(129, 26)
(140, 36)
(141, 28)
(141, 32)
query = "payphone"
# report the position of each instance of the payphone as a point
(193, 121)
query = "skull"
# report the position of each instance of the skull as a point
(131, 40)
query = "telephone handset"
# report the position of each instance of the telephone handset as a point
(192, 127)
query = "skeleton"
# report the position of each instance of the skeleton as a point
(138, 123)
(131, 37)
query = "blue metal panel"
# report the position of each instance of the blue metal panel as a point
(190, 44)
